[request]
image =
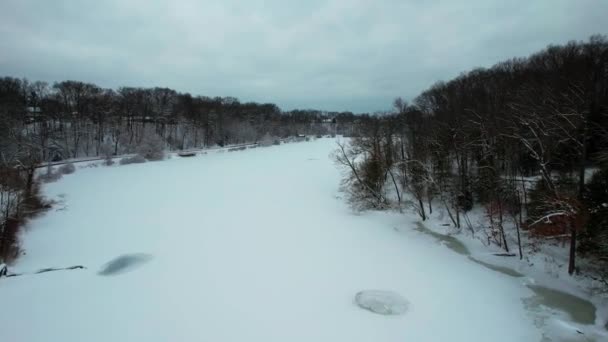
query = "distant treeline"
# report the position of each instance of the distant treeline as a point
(74, 119)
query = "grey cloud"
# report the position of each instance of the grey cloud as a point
(337, 54)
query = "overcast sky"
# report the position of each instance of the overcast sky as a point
(335, 54)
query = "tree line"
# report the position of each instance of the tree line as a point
(72, 119)
(526, 140)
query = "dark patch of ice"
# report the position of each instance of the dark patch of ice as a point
(580, 310)
(124, 263)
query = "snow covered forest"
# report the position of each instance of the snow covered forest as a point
(523, 144)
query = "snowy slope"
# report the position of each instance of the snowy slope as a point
(246, 246)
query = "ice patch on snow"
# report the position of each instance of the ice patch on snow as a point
(447, 240)
(501, 269)
(547, 305)
(382, 302)
(124, 263)
(580, 310)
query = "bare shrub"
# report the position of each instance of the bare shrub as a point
(50, 175)
(9, 248)
(18, 205)
(152, 147)
(266, 140)
(136, 159)
(362, 184)
(67, 169)
(106, 151)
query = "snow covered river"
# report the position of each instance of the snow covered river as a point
(256, 245)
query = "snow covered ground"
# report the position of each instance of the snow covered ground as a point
(256, 245)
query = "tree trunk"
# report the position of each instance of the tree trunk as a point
(524, 196)
(396, 186)
(581, 166)
(502, 228)
(422, 213)
(447, 208)
(581, 193)
(572, 259)
(521, 256)
(30, 180)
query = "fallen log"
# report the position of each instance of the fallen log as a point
(5, 273)
(186, 154)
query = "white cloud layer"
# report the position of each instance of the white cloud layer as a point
(336, 54)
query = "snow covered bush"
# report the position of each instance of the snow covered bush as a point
(11, 195)
(67, 169)
(267, 140)
(50, 175)
(363, 180)
(19, 200)
(106, 152)
(136, 159)
(152, 147)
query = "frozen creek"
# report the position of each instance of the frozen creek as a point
(256, 245)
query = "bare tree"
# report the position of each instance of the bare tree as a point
(361, 190)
